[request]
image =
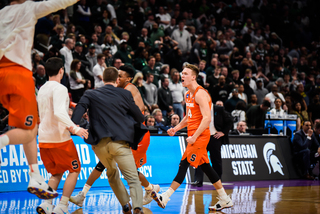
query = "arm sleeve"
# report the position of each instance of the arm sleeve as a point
(81, 108)
(80, 10)
(43, 8)
(60, 95)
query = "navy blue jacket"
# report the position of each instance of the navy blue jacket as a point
(112, 113)
(301, 142)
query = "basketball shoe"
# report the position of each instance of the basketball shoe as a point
(40, 188)
(161, 199)
(61, 209)
(78, 199)
(45, 208)
(147, 195)
(221, 204)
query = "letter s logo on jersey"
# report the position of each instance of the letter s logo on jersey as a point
(193, 157)
(29, 120)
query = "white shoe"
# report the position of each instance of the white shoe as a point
(78, 199)
(161, 199)
(221, 204)
(147, 195)
(45, 208)
(40, 188)
(61, 209)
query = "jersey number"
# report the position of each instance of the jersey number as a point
(189, 113)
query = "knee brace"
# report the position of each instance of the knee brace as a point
(183, 167)
(210, 172)
(99, 167)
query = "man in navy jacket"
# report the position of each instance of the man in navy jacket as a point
(111, 132)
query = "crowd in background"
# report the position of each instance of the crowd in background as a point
(254, 56)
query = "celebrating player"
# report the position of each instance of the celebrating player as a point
(57, 149)
(17, 90)
(198, 118)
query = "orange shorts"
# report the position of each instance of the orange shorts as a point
(60, 157)
(196, 153)
(17, 95)
(140, 155)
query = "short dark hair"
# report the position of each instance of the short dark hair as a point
(266, 103)
(149, 74)
(74, 64)
(194, 68)
(110, 74)
(53, 66)
(99, 56)
(317, 125)
(127, 69)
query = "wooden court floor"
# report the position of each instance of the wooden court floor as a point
(265, 197)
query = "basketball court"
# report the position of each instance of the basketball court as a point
(267, 197)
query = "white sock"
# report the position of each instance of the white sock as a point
(64, 200)
(49, 201)
(85, 189)
(149, 187)
(34, 168)
(4, 140)
(170, 191)
(222, 193)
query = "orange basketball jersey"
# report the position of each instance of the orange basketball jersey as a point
(193, 110)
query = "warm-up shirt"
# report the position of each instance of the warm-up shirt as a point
(17, 24)
(53, 106)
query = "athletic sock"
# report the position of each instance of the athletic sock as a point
(34, 168)
(149, 187)
(222, 193)
(49, 201)
(64, 200)
(85, 189)
(170, 191)
(4, 140)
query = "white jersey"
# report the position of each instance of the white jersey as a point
(53, 105)
(17, 24)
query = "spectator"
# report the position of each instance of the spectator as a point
(165, 101)
(77, 82)
(213, 65)
(123, 53)
(150, 68)
(277, 110)
(175, 120)
(239, 114)
(241, 93)
(256, 115)
(157, 114)
(235, 77)
(98, 71)
(231, 103)
(117, 63)
(66, 51)
(165, 18)
(302, 114)
(219, 103)
(150, 121)
(213, 79)
(92, 56)
(253, 101)
(182, 36)
(151, 91)
(241, 129)
(156, 33)
(138, 82)
(40, 76)
(274, 94)
(109, 43)
(261, 92)
(306, 148)
(313, 109)
(252, 83)
(177, 91)
(220, 91)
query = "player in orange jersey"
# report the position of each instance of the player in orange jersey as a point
(17, 90)
(197, 119)
(125, 76)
